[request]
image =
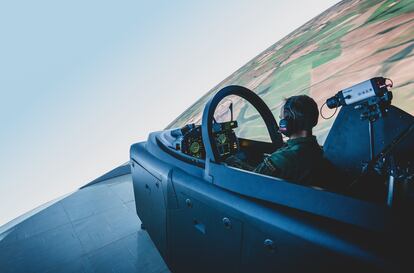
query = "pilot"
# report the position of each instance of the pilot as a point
(300, 159)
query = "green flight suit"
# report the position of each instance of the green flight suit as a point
(300, 160)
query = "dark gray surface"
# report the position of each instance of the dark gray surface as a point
(119, 171)
(94, 229)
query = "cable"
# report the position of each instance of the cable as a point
(326, 118)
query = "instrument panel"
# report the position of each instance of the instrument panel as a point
(189, 140)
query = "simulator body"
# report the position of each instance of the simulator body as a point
(205, 216)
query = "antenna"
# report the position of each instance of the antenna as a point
(231, 111)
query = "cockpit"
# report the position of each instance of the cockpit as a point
(367, 143)
(185, 188)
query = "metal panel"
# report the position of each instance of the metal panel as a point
(204, 239)
(151, 207)
(94, 229)
(347, 145)
(317, 242)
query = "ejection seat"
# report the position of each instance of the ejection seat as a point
(347, 148)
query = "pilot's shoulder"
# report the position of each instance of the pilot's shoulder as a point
(285, 150)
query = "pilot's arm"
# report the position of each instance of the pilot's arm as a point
(268, 167)
(272, 165)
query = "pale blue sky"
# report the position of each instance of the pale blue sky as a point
(80, 81)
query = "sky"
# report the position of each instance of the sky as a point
(80, 81)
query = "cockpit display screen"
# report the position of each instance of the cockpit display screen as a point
(190, 142)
